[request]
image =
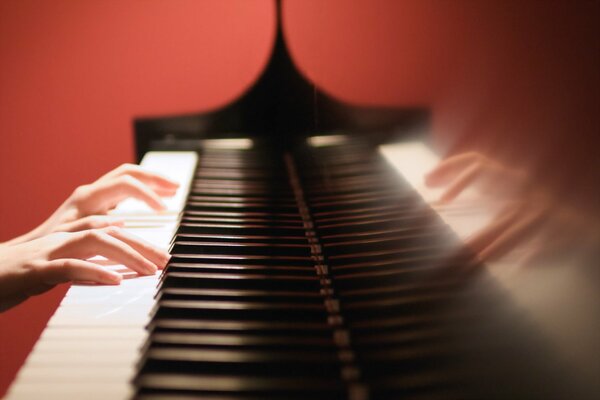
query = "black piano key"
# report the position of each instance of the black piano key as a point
(242, 220)
(205, 189)
(223, 258)
(240, 311)
(236, 214)
(242, 229)
(319, 329)
(237, 281)
(421, 239)
(370, 279)
(427, 285)
(379, 223)
(212, 387)
(372, 202)
(243, 362)
(309, 297)
(218, 238)
(390, 192)
(290, 201)
(351, 189)
(252, 248)
(378, 233)
(242, 269)
(239, 207)
(443, 251)
(241, 341)
(392, 210)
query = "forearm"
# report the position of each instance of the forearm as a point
(37, 232)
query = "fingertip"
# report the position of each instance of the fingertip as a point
(432, 179)
(149, 269)
(166, 192)
(114, 278)
(480, 258)
(427, 179)
(166, 258)
(437, 203)
(167, 183)
(159, 206)
(444, 199)
(117, 222)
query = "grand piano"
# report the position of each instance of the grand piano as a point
(306, 263)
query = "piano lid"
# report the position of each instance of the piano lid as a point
(280, 104)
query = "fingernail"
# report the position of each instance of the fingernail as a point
(151, 269)
(115, 277)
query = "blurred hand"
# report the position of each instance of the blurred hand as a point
(530, 215)
(87, 206)
(460, 171)
(36, 266)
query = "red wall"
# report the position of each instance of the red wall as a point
(519, 77)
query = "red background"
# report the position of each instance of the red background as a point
(519, 77)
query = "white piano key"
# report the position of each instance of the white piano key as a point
(81, 333)
(86, 345)
(69, 359)
(74, 390)
(104, 374)
(118, 316)
(139, 290)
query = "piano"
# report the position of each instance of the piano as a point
(306, 262)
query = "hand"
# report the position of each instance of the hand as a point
(36, 266)
(524, 213)
(463, 170)
(531, 214)
(87, 206)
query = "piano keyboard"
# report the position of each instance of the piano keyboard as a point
(316, 273)
(91, 344)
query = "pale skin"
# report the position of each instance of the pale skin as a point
(58, 250)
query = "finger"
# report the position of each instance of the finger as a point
(157, 256)
(107, 193)
(148, 177)
(91, 243)
(460, 183)
(162, 192)
(509, 239)
(69, 269)
(90, 222)
(447, 169)
(492, 231)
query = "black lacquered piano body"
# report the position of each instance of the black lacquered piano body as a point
(302, 271)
